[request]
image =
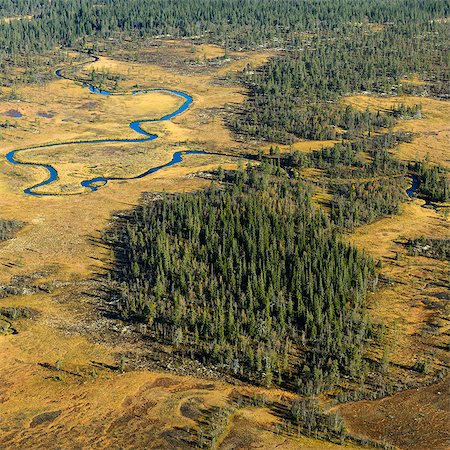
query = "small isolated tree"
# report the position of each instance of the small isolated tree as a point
(220, 173)
(122, 364)
(421, 366)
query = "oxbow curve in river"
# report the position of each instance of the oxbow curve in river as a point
(94, 184)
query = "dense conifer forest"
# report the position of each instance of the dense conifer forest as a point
(236, 23)
(250, 278)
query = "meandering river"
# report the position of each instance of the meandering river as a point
(94, 184)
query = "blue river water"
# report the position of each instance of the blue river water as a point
(415, 183)
(94, 184)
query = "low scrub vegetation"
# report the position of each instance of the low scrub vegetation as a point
(432, 248)
(8, 228)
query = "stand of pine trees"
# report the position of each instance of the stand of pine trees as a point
(434, 181)
(235, 23)
(364, 189)
(250, 278)
(292, 96)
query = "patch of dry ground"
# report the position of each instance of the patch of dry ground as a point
(418, 284)
(415, 420)
(87, 403)
(250, 428)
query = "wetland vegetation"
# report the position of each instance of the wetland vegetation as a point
(287, 262)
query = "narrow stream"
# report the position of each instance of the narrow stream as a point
(415, 183)
(94, 184)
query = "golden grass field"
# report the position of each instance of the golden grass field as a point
(57, 226)
(90, 405)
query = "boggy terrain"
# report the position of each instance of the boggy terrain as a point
(60, 373)
(74, 375)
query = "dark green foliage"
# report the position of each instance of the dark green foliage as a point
(363, 190)
(432, 248)
(245, 278)
(103, 79)
(434, 181)
(275, 117)
(421, 366)
(344, 159)
(358, 204)
(290, 96)
(407, 112)
(237, 23)
(8, 228)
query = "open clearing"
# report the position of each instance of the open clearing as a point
(417, 419)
